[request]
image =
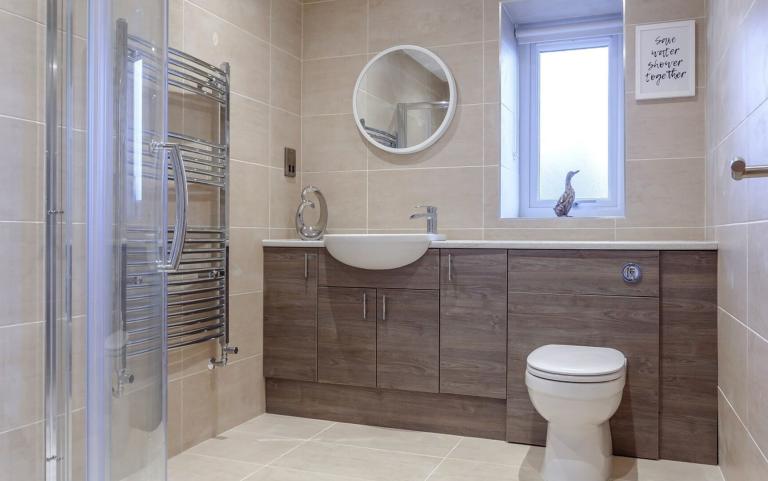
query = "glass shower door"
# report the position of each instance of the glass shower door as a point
(128, 162)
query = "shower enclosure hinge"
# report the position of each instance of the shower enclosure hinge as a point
(55, 212)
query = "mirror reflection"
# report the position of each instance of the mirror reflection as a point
(403, 98)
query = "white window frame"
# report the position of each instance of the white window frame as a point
(531, 204)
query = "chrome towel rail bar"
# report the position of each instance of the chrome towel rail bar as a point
(739, 170)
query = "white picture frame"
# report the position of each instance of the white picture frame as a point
(665, 60)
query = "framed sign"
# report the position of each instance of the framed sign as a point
(665, 60)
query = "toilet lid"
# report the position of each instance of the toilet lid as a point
(582, 363)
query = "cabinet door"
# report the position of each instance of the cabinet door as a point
(346, 336)
(473, 322)
(290, 310)
(408, 339)
(629, 324)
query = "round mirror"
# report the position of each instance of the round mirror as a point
(404, 99)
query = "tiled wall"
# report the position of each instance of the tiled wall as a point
(369, 190)
(22, 45)
(737, 125)
(262, 41)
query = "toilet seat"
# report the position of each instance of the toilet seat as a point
(576, 364)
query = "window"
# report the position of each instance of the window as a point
(571, 111)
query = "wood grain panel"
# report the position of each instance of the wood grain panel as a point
(629, 324)
(290, 317)
(473, 322)
(582, 272)
(439, 413)
(408, 340)
(346, 337)
(422, 274)
(688, 427)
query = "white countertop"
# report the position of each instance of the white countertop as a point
(488, 244)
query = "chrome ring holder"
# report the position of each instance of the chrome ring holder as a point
(311, 232)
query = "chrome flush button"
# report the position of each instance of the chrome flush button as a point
(632, 273)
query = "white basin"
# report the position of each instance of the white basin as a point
(379, 251)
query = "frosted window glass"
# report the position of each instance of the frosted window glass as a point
(574, 122)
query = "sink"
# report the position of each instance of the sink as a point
(379, 251)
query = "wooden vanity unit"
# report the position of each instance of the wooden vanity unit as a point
(441, 344)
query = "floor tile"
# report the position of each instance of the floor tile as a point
(273, 425)
(271, 473)
(365, 463)
(189, 467)
(497, 452)
(628, 469)
(415, 442)
(245, 446)
(463, 470)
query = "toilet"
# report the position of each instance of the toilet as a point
(576, 389)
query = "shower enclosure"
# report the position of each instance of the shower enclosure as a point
(106, 165)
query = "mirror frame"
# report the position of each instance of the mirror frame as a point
(452, 102)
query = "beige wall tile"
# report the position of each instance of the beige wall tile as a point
(21, 452)
(732, 270)
(215, 41)
(739, 457)
(246, 260)
(427, 23)
(21, 375)
(239, 393)
(757, 390)
(286, 81)
(286, 26)
(491, 27)
(285, 132)
(251, 16)
(246, 326)
(249, 130)
(757, 277)
(393, 195)
(332, 143)
(345, 193)
(661, 234)
(249, 185)
(198, 397)
(547, 234)
(492, 134)
(335, 28)
(174, 433)
(32, 9)
(492, 87)
(757, 126)
(21, 87)
(22, 181)
(664, 193)
(466, 64)
(730, 198)
(753, 29)
(462, 145)
(21, 297)
(284, 195)
(327, 85)
(648, 11)
(665, 128)
(732, 339)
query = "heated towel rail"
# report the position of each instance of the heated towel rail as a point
(198, 291)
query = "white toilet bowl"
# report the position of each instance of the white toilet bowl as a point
(576, 389)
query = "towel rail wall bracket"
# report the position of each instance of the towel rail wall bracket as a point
(739, 170)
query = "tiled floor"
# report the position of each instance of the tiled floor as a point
(282, 448)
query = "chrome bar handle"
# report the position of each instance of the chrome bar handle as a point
(306, 265)
(365, 305)
(739, 170)
(182, 202)
(450, 266)
(383, 308)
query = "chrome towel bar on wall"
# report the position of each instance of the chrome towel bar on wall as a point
(739, 170)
